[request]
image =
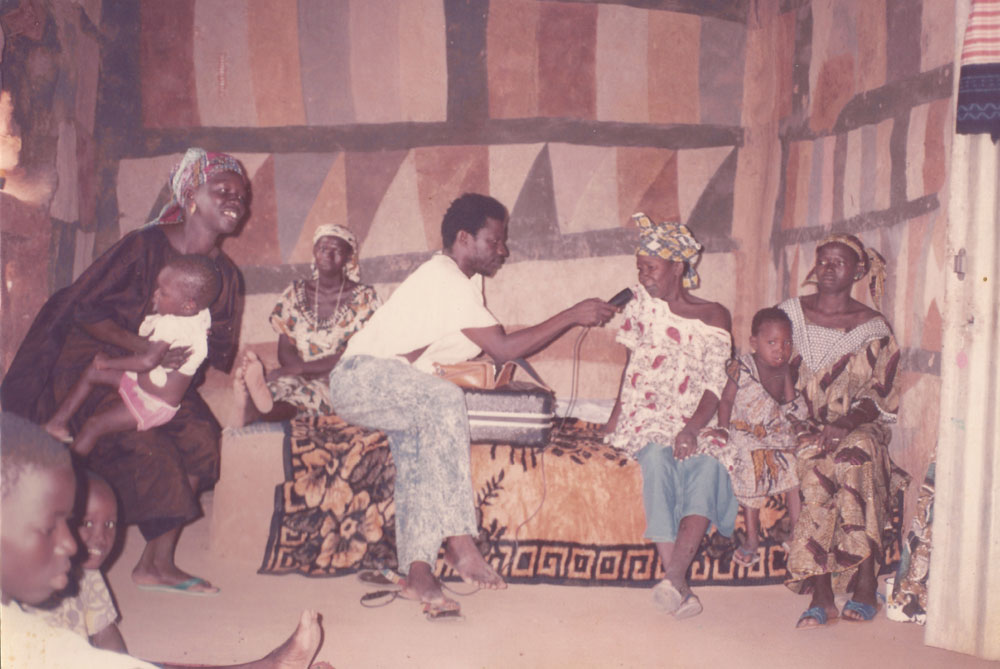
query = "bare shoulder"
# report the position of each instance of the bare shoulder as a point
(862, 313)
(714, 314)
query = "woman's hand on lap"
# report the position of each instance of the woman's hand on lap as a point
(685, 444)
(831, 435)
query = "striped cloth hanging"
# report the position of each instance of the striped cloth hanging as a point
(979, 81)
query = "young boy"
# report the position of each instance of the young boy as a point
(37, 492)
(755, 437)
(150, 393)
(91, 611)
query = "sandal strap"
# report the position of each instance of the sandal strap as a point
(817, 613)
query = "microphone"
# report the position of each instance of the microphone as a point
(621, 298)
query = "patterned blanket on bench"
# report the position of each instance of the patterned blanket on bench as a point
(568, 513)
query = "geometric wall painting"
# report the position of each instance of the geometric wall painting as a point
(396, 226)
(586, 187)
(330, 207)
(298, 178)
(713, 213)
(509, 166)
(533, 216)
(694, 170)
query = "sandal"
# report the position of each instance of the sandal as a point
(443, 611)
(817, 613)
(666, 597)
(690, 607)
(745, 558)
(863, 613)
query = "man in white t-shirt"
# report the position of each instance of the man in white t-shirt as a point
(385, 381)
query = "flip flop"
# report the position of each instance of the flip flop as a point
(183, 588)
(866, 611)
(376, 578)
(745, 558)
(441, 611)
(690, 607)
(446, 611)
(666, 597)
(817, 613)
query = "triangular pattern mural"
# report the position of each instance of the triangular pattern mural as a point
(298, 179)
(395, 226)
(533, 216)
(585, 186)
(393, 201)
(330, 207)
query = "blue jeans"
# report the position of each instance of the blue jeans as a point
(673, 489)
(426, 422)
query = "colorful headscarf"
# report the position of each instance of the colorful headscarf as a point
(196, 167)
(669, 240)
(351, 269)
(872, 264)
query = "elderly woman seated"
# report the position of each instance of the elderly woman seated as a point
(847, 358)
(314, 319)
(674, 376)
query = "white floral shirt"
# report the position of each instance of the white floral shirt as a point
(674, 360)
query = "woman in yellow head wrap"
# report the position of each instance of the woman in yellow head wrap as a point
(846, 357)
(676, 369)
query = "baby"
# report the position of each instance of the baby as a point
(755, 437)
(91, 611)
(150, 393)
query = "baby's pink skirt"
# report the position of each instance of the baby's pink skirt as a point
(148, 410)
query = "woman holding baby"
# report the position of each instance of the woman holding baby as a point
(158, 473)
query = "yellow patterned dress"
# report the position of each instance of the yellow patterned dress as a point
(847, 493)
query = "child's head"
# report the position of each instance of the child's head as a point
(99, 525)
(186, 285)
(38, 490)
(771, 336)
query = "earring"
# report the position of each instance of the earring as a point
(193, 208)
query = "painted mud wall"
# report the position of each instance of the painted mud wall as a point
(376, 115)
(761, 124)
(864, 139)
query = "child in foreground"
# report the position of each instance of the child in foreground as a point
(150, 393)
(755, 438)
(91, 612)
(37, 491)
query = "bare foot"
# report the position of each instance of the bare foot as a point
(421, 584)
(256, 384)
(59, 431)
(462, 555)
(242, 410)
(299, 649)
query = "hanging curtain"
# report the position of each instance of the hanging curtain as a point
(978, 107)
(963, 612)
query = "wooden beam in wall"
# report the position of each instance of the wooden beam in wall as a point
(727, 10)
(401, 136)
